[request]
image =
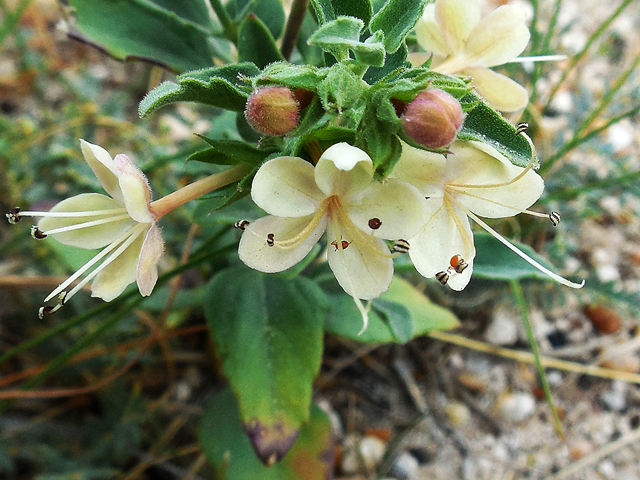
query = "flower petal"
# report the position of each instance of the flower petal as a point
(117, 275)
(255, 253)
(429, 35)
(422, 169)
(150, 253)
(507, 192)
(457, 18)
(97, 236)
(398, 205)
(103, 167)
(501, 92)
(343, 170)
(499, 37)
(285, 186)
(446, 234)
(135, 189)
(363, 272)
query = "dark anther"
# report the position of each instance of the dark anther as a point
(13, 216)
(401, 246)
(241, 224)
(443, 277)
(375, 223)
(521, 128)
(37, 233)
(270, 240)
(555, 218)
(49, 309)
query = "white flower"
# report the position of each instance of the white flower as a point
(338, 195)
(474, 180)
(466, 44)
(122, 223)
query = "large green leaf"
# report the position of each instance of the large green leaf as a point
(328, 10)
(223, 87)
(173, 34)
(486, 125)
(268, 334)
(396, 19)
(388, 323)
(226, 446)
(256, 44)
(496, 262)
(231, 152)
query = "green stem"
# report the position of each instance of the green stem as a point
(294, 24)
(229, 28)
(516, 289)
(161, 207)
(576, 58)
(577, 140)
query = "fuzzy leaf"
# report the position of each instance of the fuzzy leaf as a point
(485, 124)
(396, 19)
(270, 12)
(218, 86)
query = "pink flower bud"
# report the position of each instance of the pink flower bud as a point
(433, 118)
(272, 110)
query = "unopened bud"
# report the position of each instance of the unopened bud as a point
(272, 110)
(433, 118)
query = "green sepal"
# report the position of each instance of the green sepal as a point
(268, 335)
(396, 19)
(231, 152)
(340, 89)
(343, 34)
(487, 125)
(223, 87)
(392, 326)
(392, 62)
(122, 28)
(227, 448)
(256, 44)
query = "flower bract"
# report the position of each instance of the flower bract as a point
(465, 43)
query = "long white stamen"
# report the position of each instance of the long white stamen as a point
(134, 234)
(93, 213)
(93, 223)
(88, 265)
(524, 256)
(539, 58)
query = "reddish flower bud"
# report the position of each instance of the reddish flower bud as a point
(272, 110)
(433, 118)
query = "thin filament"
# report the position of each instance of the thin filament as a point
(303, 234)
(88, 265)
(524, 256)
(92, 223)
(93, 213)
(135, 233)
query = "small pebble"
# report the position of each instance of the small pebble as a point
(405, 467)
(503, 329)
(371, 450)
(516, 407)
(579, 449)
(615, 399)
(604, 319)
(458, 413)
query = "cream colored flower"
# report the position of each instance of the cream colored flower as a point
(473, 181)
(121, 223)
(466, 44)
(338, 195)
